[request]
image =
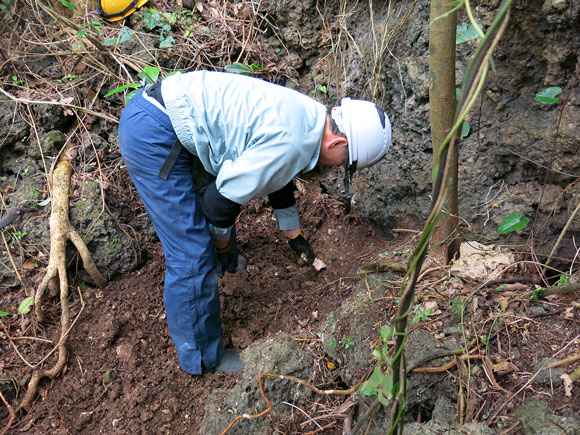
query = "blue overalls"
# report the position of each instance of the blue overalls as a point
(191, 295)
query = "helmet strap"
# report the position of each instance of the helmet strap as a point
(132, 5)
(348, 174)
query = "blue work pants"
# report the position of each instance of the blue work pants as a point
(191, 280)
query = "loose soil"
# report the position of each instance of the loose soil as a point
(123, 376)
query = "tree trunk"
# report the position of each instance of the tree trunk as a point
(442, 101)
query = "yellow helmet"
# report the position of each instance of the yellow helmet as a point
(115, 10)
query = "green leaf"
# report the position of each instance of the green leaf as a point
(382, 399)
(68, 5)
(548, 95)
(465, 127)
(81, 33)
(4, 313)
(386, 332)
(537, 293)
(513, 222)
(150, 74)
(564, 279)
(152, 19)
(130, 95)
(110, 41)
(167, 42)
(238, 68)
(466, 32)
(369, 388)
(24, 307)
(125, 34)
(122, 88)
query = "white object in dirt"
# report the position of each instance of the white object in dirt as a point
(480, 262)
(318, 264)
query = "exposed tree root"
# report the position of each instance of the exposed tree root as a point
(12, 415)
(61, 232)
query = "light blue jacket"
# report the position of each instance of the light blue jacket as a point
(254, 136)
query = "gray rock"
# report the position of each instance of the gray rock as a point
(277, 355)
(537, 419)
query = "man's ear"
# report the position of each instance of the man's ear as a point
(337, 140)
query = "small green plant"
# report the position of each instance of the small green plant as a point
(332, 342)
(380, 384)
(124, 35)
(16, 81)
(6, 7)
(19, 234)
(513, 222)
(150, 75)
(466, 32)
(421, 315)
(501, 287)
(563, 280)
(113, 243)
(164, 21)
(347, 342)
(321, 88)
(68, 78)
(95, 25)
(68, 5)
(549, 95)
(25, 172)
(240, 68)
(106, 378)
(537, 293)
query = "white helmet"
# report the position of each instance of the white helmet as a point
(367, 129)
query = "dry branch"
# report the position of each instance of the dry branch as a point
(61, 232)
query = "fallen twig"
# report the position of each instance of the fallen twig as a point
(59, 103)
(560, 289)
(564, 362)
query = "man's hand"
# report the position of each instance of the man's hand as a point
(301, 247)
(227, 259)
(226, 252)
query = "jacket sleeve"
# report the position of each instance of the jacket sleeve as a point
(218, 210)
(284, 205)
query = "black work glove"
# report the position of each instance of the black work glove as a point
(227, 257)
(302, 249)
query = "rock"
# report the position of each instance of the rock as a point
(547, 376)
(537, 419)
(280, 354)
